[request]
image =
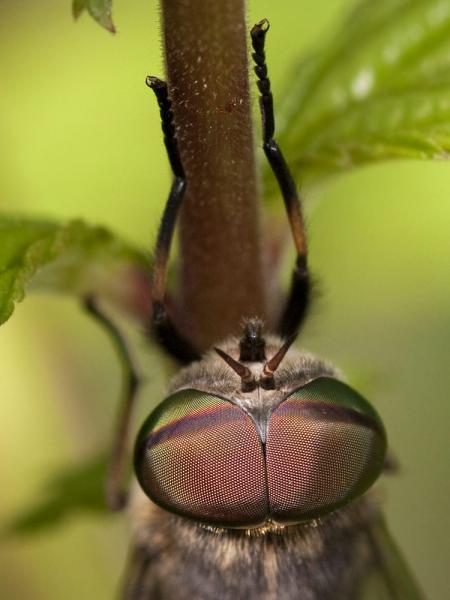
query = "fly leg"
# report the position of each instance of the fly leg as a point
(299, 295)
(163, 327)
(116, 494)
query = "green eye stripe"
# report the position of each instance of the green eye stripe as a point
(335, 392)
(184, 406)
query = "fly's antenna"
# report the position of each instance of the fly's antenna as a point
(253, 349)
(252, 345)
(247, 378)
(267, 380)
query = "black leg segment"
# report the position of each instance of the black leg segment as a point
(116, 487)
(165, 331)
(299, 295)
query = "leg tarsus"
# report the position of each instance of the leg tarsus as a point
(161, 92)
(165, 330)
(299, 295)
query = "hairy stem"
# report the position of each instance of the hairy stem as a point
(221, 267)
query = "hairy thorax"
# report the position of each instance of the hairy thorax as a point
(318, 560)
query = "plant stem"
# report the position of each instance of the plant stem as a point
(207, 68)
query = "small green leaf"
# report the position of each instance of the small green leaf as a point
(72, 258)
(378, 89)
(100, 11)
(73, 490)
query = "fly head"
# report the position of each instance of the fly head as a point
(245, 443)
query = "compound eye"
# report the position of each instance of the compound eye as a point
(325, 446)
(200, 456)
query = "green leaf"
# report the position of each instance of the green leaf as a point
(100, 11)
(76, 489)
(72, 258)
(378, 89)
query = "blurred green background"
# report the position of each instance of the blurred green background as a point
(80, 137)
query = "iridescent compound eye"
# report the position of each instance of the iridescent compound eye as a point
(325, 446)
(200, 456)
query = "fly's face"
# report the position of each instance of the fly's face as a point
(224, 450)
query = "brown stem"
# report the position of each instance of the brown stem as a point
(207, 68)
